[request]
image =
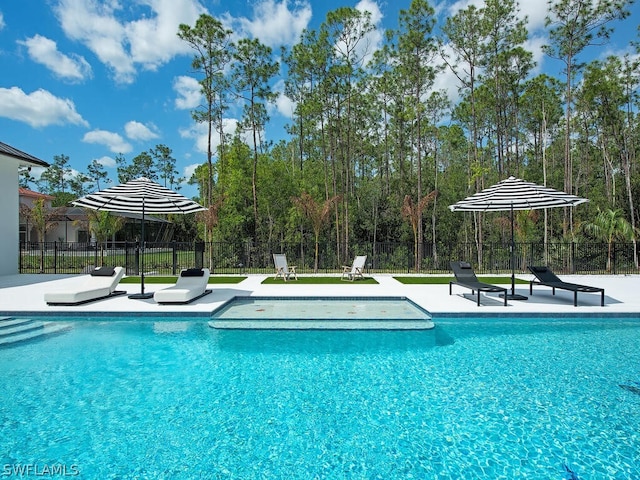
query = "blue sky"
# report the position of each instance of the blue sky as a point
(90, 79)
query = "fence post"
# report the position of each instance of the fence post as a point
(55, 257)
(175, 257)
(613, 259)
(137, 259)
(127, 258)
(199, 254)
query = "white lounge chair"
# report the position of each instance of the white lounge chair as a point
(282, 269)
(356, 270)
(100, 283)
(191, 285)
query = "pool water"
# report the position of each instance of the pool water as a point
(472, 398)
(294, 308)
(377, 313)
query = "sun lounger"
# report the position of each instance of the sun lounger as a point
(544, 276)
(191, 285)
(465, 277)
(282, 269)
(354, 271)
(100, 283)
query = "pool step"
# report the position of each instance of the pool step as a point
(322, 324)
(14, 330)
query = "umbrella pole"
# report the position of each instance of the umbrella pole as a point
(513, 295)
(141, 295)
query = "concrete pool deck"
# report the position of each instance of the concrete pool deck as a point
(25, 293)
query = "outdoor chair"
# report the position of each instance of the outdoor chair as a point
(354, 271)
(282, 269)
(465, 277)
(100, 283)
(191, 285)
(544, 276)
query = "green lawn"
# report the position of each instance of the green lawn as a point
(320, 281)
(445, 280)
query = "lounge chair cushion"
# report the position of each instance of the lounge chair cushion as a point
(103, 272)
(192, 272)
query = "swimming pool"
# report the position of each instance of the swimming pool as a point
(472, 398)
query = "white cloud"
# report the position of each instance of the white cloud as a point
(122, 45)
(534, 45)
(106, 162)
(36, 172)
(189, 92)
(138, 131)
(2, 24)
(284, 105)
(45, 51)
(274, 23)
(373, 40)
(113, 141)
(198, 132)
(535, 12)
(95, 26)
(373, 8)
(189, 170)
(153, 39)
(39, 108)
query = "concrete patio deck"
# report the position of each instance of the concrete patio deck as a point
(20, 294)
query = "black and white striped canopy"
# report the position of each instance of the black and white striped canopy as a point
(139, 196)
(515, 194)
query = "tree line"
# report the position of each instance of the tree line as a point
(375, 153)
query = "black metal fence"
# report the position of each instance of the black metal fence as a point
(397, 258)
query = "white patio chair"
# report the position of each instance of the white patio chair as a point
(356, 270)
(282, 269)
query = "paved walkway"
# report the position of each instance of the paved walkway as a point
(25, 293)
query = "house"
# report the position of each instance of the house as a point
(71, 224)
(27, 199)
(10, 160)
(67, 224)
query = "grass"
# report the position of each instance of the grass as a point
(172, 279)
(445, 280)
(316, 280)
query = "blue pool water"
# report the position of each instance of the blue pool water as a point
(473, 398)
(293, 308)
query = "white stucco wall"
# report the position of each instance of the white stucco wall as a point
(9, 230)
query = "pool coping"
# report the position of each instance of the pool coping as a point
(24, 295)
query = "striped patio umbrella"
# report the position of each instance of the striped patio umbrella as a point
(515, 194)
(139, 196)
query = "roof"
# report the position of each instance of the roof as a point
(25, 192)
(24, 158)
